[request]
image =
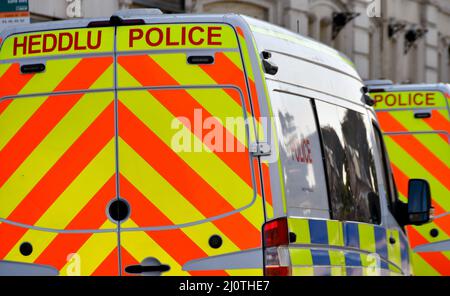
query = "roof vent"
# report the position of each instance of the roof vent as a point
(377, 82)
(133, 13)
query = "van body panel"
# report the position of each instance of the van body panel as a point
(415, 122)
(165, 91)
(346, 248)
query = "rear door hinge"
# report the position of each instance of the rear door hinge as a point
(260, 149)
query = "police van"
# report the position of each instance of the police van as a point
(160, 144)
(415, 120)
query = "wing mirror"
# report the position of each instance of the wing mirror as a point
(419, 202)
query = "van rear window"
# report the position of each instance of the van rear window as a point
(301, 156)
(350, 164)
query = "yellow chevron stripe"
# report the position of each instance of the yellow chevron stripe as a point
(175, 65)
(15, 116)
(4, 68)
(235, 58)
(433, 142)
(444, 113)
(406, 118)
(47, 153)
(55, 72)
(221, 106)
(160, 193)
(140, 245)
(68, 204)
(208, 165)
(409, 164)
(425, 229)
(422, 267)
(245, 55)
(437, 146)
(95, 250)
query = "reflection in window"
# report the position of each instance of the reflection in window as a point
(349, 164)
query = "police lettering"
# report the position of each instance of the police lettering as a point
(51, 42)
(156, 36)
(301, 151)
(405, 99)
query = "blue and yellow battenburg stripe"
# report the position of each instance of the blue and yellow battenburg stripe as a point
(329, 247)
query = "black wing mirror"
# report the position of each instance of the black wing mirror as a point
(419, 202)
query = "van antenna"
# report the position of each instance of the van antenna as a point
(298, 26)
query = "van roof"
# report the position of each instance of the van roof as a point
(411, 87)
(286, 41)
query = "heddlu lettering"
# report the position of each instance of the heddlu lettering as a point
(57, 42)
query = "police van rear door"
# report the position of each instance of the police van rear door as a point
(416, 131)
(57, 143)
(185, 171)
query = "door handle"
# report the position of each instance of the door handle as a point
(137, 269)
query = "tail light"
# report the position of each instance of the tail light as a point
(276, 252)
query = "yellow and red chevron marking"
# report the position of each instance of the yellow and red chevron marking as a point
(202, 185)
(223, 177)
(422, 156)
(58, 155)
(133, 71)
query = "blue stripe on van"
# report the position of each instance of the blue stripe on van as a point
(384, 265)
(318, 232)
(381, 243)
(351, 235)
(352, 259)
(353, 264)
(320, 257)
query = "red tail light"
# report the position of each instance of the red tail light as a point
(276, 251)
(277, 271)
(276, 233)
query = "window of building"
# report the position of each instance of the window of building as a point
(350, 164)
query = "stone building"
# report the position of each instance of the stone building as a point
(402, 40)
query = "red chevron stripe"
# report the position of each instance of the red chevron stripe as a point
(110, 266)
(267, 186)
(145, 213)
(48, 115)
(240, 32)
(438, 122)
(224, 71)
(65, 170)
(185, 180)
(237, 161)
(416, 149)
(128, 259)
(91, 216)
(4, 104)
(437, 260)
(401, 180)
(12, 81)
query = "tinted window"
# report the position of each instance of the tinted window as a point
(349, 164)
(387, 176)
(301, 157)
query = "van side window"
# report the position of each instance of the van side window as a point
(350, 164)
(391, 193)
(301, 156)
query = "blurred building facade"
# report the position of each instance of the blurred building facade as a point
(402, 40)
